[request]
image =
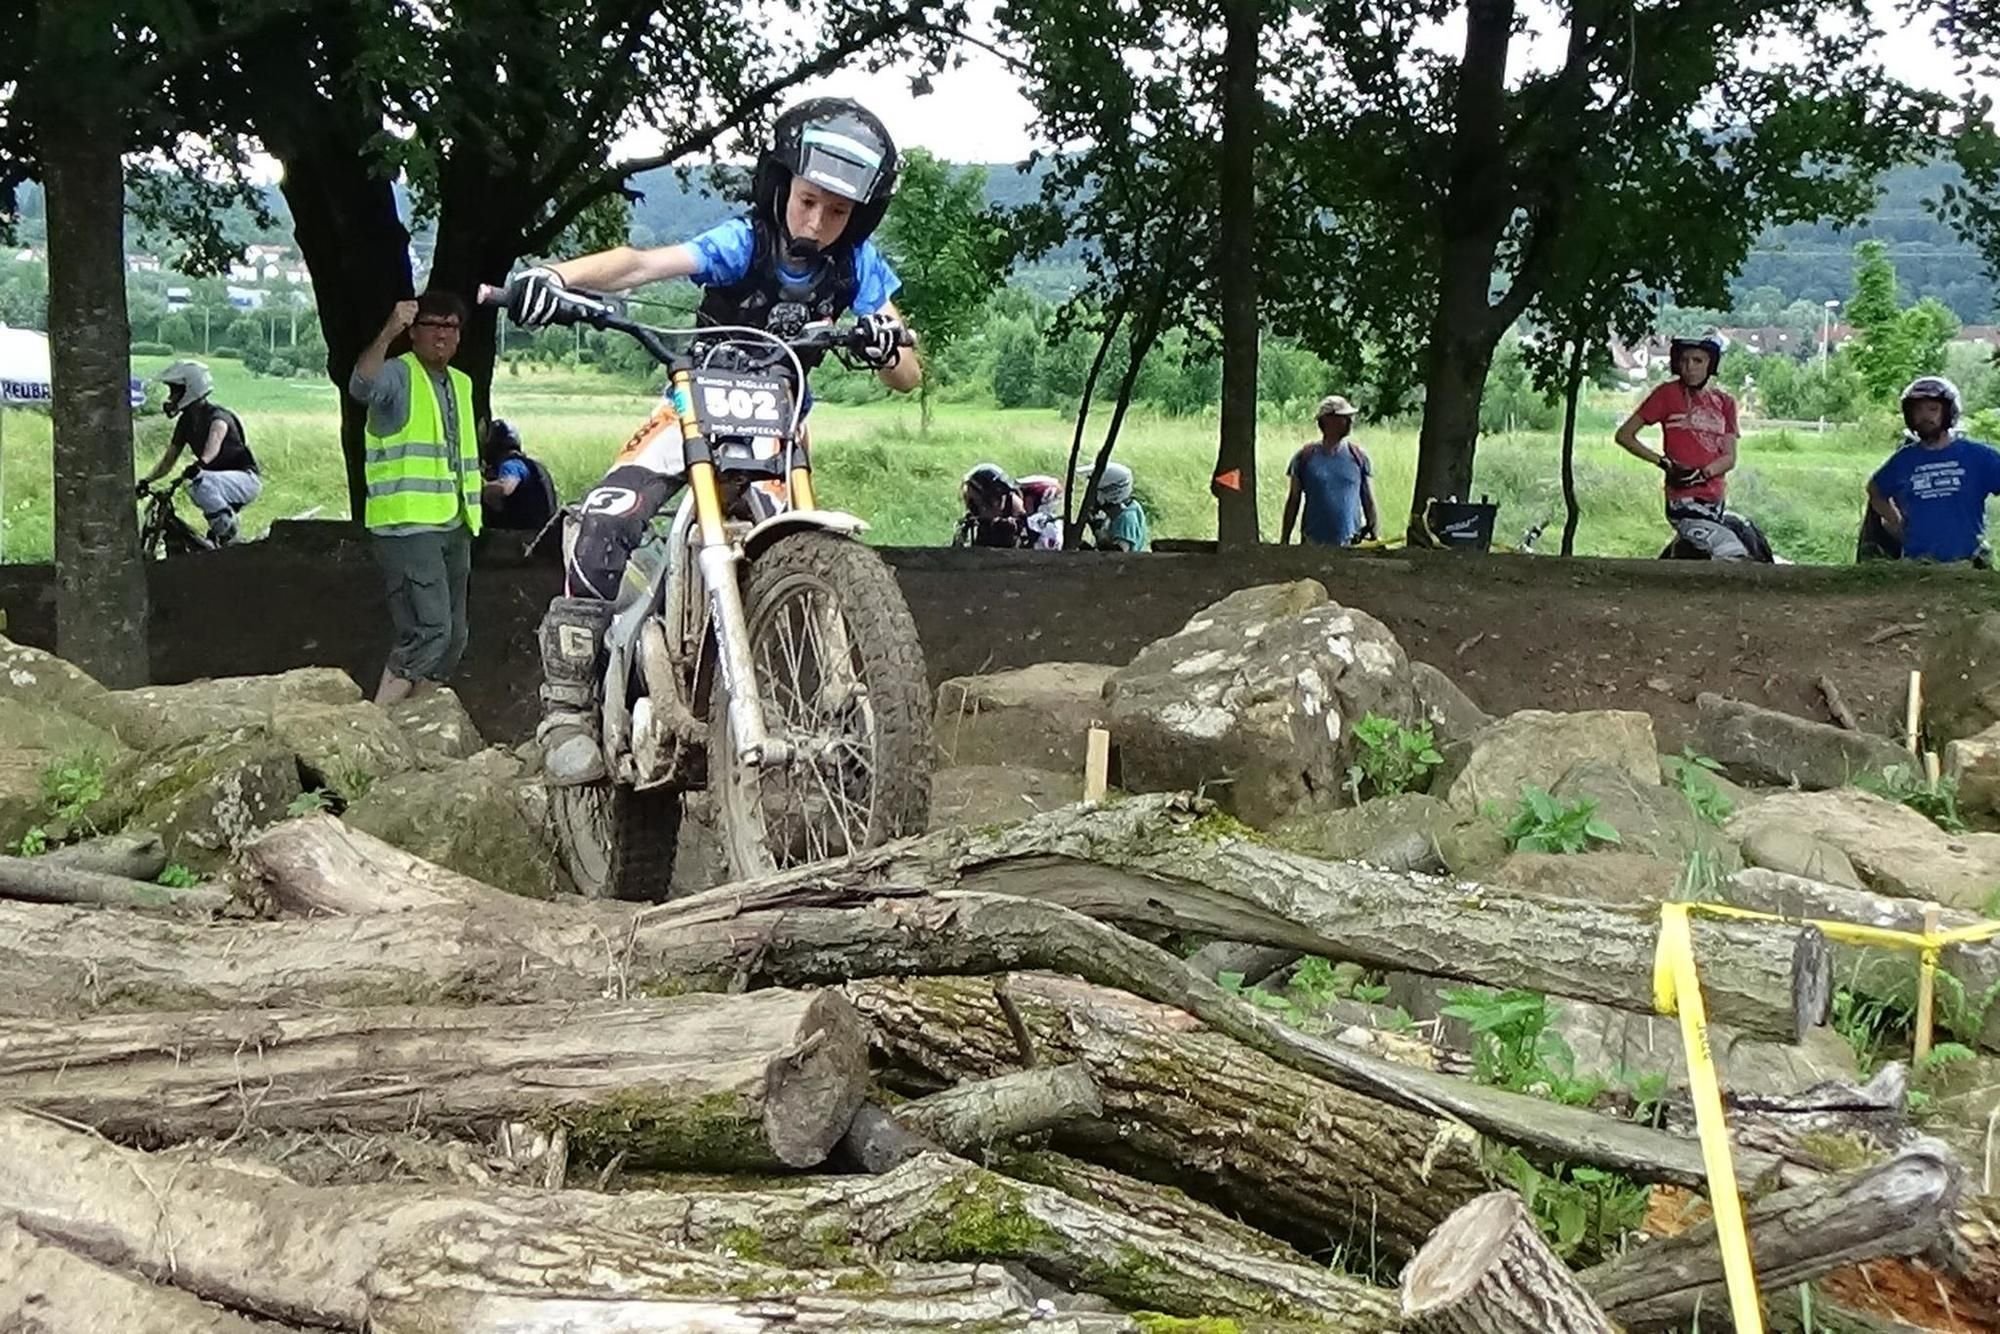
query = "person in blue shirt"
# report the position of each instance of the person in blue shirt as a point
(1334, 480)
(802, 254)
(517, 492)
(1931, 495)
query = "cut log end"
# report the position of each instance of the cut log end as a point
(1486, 1270)
(813, 1091)
(1812, 986)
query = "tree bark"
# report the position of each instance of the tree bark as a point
(1301, 1158)
(1236, 274)
(134, 856)
(45, 1289)
(991, 1111)
(101, 597)
(714, 1083)
(1488, 1271)
(316, 865)
(402, 1258)
(1896, 1208)
(37, 880)
(1871, 970)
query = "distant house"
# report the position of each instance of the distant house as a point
(246, 298)
(179, 298)
(142, 264)
(1988, 334)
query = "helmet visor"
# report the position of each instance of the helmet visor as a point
(840, 163)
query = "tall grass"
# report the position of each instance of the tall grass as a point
(1803, 485)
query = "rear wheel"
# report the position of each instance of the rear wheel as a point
(617, 843)
(840, 672)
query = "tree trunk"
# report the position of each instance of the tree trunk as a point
(134, 856)
(45, 1289)
(1450, 432)
(478, 239)
(396, 1258)
(1301, 1158)
(979, 1115)
(316, 866)
(1896, 1208)
(1572, 391)
(1873, 971)
(101, 599)
(713, 1083)
(1488, 1271)
(35, 880)
(1114, 315)
(1236, 274)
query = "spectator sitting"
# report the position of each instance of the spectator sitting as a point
(518, 492)
(1334, 479)
(1931, 495)
(1118, 523)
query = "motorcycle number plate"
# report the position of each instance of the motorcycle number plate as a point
(753, 405)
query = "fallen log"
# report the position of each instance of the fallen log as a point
(39, 880)
(136, 856)
(990, 1111)
(763, 1081)
(1301, 1158)
(1873, 970)
(61, 961)
(1896, 1208)
(394, 1258)
(1153, 862)
(45, 1289)
(1487, 1271)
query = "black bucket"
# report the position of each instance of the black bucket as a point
(1458, 523)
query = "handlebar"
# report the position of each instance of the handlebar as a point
(601, 311)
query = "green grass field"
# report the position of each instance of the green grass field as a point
(1803, 487)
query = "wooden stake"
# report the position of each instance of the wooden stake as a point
(1926, 990)
(1915, 711)
(1097, 766)
(1932, 769)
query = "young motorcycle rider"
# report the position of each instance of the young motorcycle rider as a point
(802, 254)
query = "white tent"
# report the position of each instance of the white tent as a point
(24, 382)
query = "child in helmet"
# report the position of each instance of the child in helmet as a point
(225, 476)
(1118, 523)
(1931, 495)
(1697, 421)
(994, 512)
(800, 255)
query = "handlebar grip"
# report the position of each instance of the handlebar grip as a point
(492, 296)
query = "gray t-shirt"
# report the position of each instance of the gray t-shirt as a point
(388, 400)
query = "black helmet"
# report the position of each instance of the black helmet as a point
(502, 438)
(1939, 388)
(988, 483)
(1711, 342)
(838, 144)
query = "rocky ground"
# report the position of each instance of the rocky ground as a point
(1341, 957)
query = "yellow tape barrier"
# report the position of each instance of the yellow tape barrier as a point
(1677, 990)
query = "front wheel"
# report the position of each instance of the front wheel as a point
(840, 672)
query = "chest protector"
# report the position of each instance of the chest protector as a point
(764, 298)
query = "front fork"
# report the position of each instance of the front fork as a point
(716, 559)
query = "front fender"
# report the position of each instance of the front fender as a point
(793, 521)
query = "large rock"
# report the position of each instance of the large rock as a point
(153, 717)
(1760, 745)
(344, 748)
(1783, 847)
(1037, 717)
(34, 737)
(1892, 849)
(204, 796)
(1253, 701)
(1400, 833)
(1449, 710)
(40, 680)
(1973, 765)
(985, 794)
(1534, 748)
(1962, 680)
(437, 725)
(1604, 876)
(480, 817)
(1651, 820)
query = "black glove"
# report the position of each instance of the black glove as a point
(538, 295)
(1682, 478)
(884, 345)
(192, 471)
(143, 489)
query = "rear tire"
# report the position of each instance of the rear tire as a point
(617, 843)
(871, 713)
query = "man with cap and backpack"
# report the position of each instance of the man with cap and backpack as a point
(1333, 480)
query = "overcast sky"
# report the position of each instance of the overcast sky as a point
(977, 114)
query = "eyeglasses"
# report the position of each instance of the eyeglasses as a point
(438, 324)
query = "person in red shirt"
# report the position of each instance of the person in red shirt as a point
(1697, 421)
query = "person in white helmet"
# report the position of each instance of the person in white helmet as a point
(1931, 494)
(225, 472)
(1118, 520)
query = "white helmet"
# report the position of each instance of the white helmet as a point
(187, 382)
(1114, 484)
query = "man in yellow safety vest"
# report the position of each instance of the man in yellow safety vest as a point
(423, 478)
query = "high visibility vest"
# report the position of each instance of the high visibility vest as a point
(410, 474)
